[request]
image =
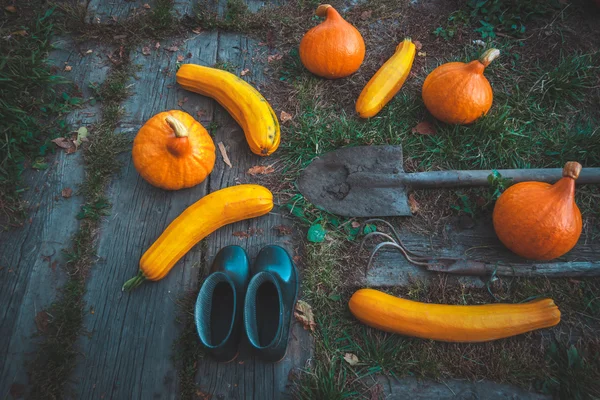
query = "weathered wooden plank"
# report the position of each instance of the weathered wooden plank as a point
(478, 243)
(416, 389)
(31, 256)
(248, 377)
(127, 351)
(107, 11)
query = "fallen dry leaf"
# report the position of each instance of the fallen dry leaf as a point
(11, 9)
(68, 68)
(304, 314)
(67, 192)
(355, 224)
(180, 58)
(41, 321)
(365, 15)
(241, 234)
(274, 57)
(412, 203)
(203, 396)
(82, 134)
(146, 50)
(63, 143)
(224, 154)
(422, 54)
(283, 230)
(197, 30)
(146, 6)
(424, 128)
(418, 45)
(173, 48)
(351, 359)
(284, 117)
(261, 170)
(22, 32)
(245, 72)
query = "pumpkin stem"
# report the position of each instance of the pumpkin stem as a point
(134, 282)
(177, 126)
(322, 10)
(572, 170)
(489, 56)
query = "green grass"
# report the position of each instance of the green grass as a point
(33, 102)
(56, 356)
(544, 114)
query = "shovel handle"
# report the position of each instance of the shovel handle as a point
(444, 179)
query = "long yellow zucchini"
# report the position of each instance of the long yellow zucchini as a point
(245, 104)
(205, 216)
(387, 81)
(451, 323)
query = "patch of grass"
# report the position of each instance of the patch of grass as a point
(56, 357)
(33, 102)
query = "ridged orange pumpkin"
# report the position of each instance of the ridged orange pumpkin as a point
(537, 220)
(333, 49)
(459, 93)
(173, 151)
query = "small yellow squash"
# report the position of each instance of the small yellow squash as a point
(451, 323)
(387, 81)
(205, 216)
(245, 104)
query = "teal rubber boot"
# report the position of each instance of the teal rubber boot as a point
(220, 304)
(270, 301)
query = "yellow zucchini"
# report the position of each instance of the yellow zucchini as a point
(451, 323)
(205, 216)
(387, 81)
(245, 104)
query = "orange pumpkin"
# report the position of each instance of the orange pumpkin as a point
(173, 151)
(334, 48)
(537, 220)
(458, 93)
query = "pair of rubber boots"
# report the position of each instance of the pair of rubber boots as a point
(258, 299)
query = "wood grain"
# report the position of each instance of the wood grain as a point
(31, 256)
(415, 389)
(128, 349)
(478, 242)
(248, 377)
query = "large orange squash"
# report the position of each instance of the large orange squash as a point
(334, 48)
(450, 323)
(173, 151)
(537, 220)
(458, 93)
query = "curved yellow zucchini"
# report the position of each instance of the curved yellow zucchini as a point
(451, 323)
(387, 81)
(245, 104)
(205, 216)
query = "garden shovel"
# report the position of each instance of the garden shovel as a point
(368, 181)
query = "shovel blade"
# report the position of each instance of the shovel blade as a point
(325, 185)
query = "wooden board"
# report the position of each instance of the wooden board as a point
(31, 257)
(415, 389)
(480, 243)
(110, 11)
(127, 351)
(248, 377)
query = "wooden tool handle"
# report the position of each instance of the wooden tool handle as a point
(440, 179)
(444, 179)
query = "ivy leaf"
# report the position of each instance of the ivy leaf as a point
(316, 233)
